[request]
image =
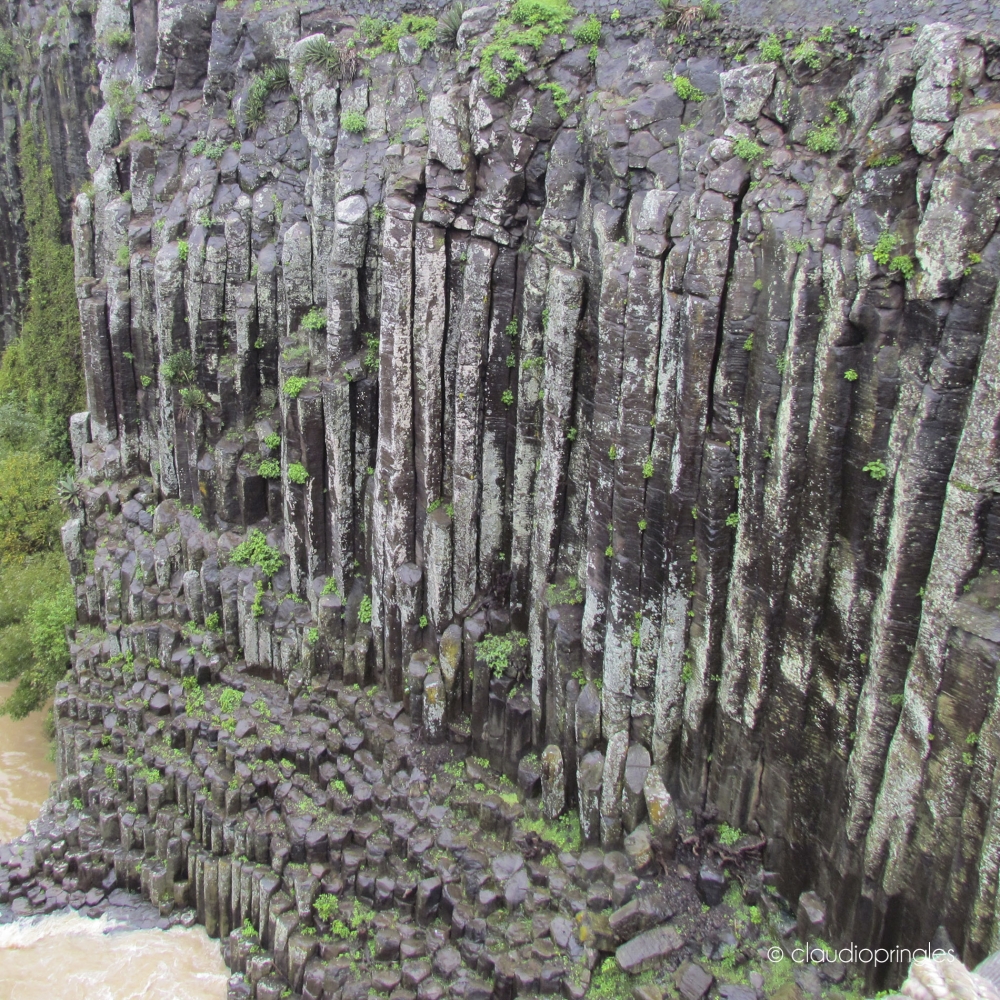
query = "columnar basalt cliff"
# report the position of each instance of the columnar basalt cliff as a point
(620, 399)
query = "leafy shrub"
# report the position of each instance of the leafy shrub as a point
(254, 551)
(747, 149)
(496, 650)
(178, 368)
(353, 121)
(315, 319)
(272, 441)
(770, 49)
(686, 90)
(297, 473)
(183, 249)
(294, 384)
(807, 54)
(365, 610)
(229, 700)
(326, 905)
(270, 468)
(729, 835)
(559, 97)
(903, 263)
(589, 33)
(507, 398)
(882, 251)
(117, 38)
(823, 138)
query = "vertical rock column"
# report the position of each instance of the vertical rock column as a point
(564, 299)
(342, 319)
(472, 339)
(433, 528)
(395, 484)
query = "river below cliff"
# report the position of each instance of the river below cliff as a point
(25, 770)
(69, 955)
(66, 954)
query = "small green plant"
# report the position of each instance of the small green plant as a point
(326, 905)
(423, 622)
(123, 257)
(770, 49)
(183, 249)
(354, 122)
(613, 453)
(271, 80)
(876, 469)
(507, 398)
(117, 38)
(782, 363)
(294, 384)
(254, 551)
(229, 700)
(212, 621)
(823, 138)
(747, 149)
(807, 54)
(647, 468)
(851, 375)
(365, 610)
(496, 650)
(178, 368)
(379, 212)
(903, 264)
(297, 473)
(272, 441)
(748, 343)
(884, 247)
(371, 358)
(269, 468)
(732, 520)
(588, 33)
(686, 90)
(729, 835)
(560, 97)
(885, 160)
(711, 10)
(315, 319)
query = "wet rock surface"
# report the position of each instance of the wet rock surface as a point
(506, 480)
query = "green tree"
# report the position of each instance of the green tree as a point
(42, 370)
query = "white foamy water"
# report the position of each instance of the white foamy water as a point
(70, 957)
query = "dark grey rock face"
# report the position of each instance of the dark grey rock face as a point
(634, 430)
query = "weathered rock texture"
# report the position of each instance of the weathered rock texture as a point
(646, 414)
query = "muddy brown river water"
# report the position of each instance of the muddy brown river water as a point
(70, 957)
